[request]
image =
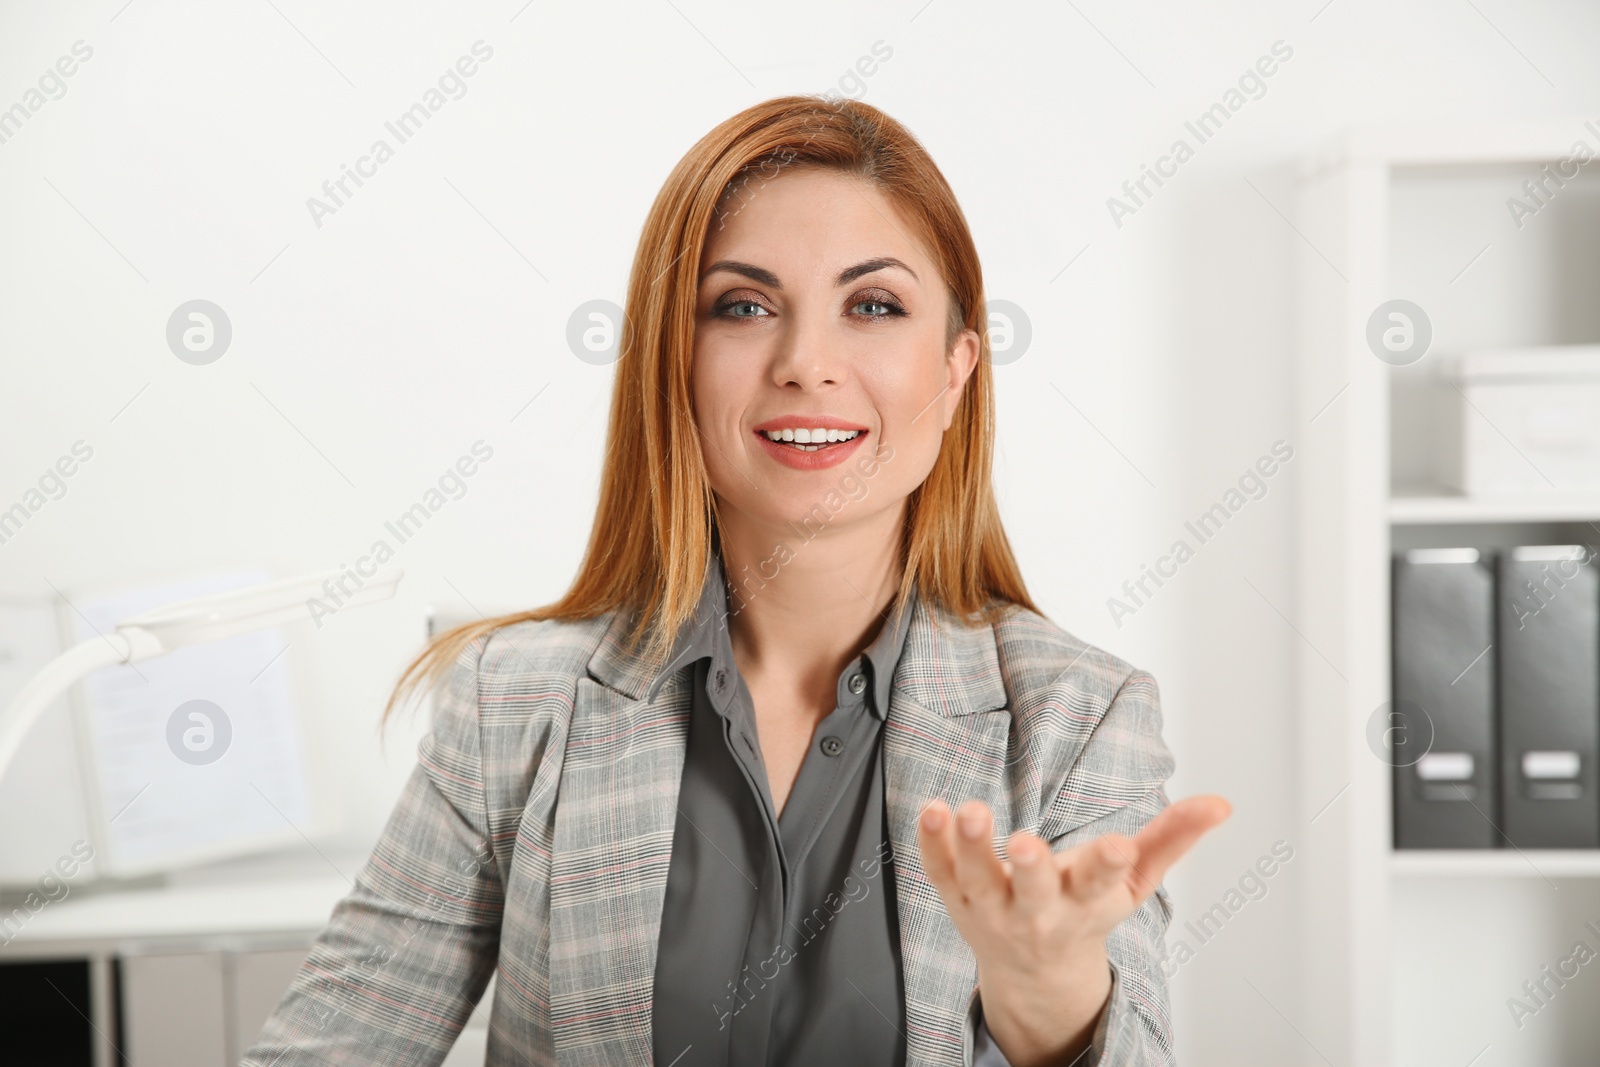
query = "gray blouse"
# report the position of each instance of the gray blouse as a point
(779, 938)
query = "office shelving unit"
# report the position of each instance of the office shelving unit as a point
(1411, 958)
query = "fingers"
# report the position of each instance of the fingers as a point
(957, 853)
(1095, 867)
(1035, 878)
(959, 858)
(978, 870)
(936, 834)
(1170, 834)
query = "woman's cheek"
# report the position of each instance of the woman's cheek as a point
(924, 441)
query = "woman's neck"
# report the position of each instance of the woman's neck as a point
(806, 600)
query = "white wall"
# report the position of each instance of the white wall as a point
(370, 352)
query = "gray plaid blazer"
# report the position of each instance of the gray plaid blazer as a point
(533, 838)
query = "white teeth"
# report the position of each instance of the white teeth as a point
(803, 435)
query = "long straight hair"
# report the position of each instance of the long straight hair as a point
(652, 534)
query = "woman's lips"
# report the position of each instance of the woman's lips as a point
(827, 455)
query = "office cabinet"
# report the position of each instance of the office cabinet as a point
(174, 1009)
(177, 1003)
(200, 1009)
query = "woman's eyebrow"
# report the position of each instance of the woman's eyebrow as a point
(850, 274)
(767, 278)
(754, 273)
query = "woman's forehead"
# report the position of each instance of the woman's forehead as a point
(814, 221)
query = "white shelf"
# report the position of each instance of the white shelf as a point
(1408, 508)
(1496, 863)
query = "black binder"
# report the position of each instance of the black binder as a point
(1549, 645)
(1441, 725)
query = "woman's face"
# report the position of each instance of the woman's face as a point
(820, 317)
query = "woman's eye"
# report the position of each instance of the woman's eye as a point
(741, 309)
(877, 309)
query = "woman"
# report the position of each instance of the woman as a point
(704, 809)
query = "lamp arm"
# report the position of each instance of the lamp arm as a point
(207, 618)
(31, 700)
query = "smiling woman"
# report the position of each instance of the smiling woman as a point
(642, 807)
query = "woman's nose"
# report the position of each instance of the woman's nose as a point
(806, 354)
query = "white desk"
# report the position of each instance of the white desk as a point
(91, 920)
(203, 957)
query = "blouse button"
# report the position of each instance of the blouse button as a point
(857, 683)
(832, 746)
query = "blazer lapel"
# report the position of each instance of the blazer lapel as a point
(945, 736)
(612, 848)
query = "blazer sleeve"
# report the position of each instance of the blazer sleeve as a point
(1117, 785)
(407, 953)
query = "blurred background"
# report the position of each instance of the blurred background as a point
(226, 360)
